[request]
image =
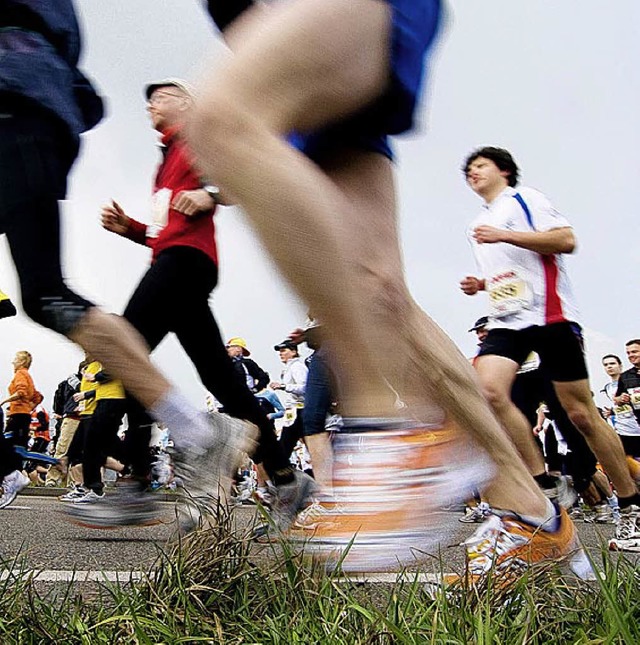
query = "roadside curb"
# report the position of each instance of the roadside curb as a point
(52, 491)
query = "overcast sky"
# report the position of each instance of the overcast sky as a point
(554, 82)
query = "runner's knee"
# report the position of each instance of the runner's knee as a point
(59, 310)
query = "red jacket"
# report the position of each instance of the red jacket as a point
(175, 174)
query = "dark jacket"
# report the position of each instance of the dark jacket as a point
(246, 366)
(39, 52)
(63, 403)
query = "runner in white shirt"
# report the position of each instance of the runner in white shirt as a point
(293, 383)
(620, 415)
(525, 287)
(518, 241)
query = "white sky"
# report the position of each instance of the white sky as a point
(554, 82)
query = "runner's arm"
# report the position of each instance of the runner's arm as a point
(556, 240)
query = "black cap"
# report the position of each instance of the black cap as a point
(286, 344)
(480, 323)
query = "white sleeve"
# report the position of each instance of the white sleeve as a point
(544, 214)
(299, 373)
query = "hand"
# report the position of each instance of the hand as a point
(623, 398)
(297, 336)
(114, 219)
(470, 285)
(274, 385)
(607, 412)
(489, 234)
(537, 429)
(78, 396)
(192, 202)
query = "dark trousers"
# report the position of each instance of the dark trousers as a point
(173, 296)
(529, 390)
(101, 441)
(36, 154)
(291, 434)
(318, 397)
(9, 460)
(18, 425)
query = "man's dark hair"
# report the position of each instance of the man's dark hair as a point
(500, 157)
(615, 358)
(633, 341)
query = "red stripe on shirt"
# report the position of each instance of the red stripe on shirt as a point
(553, 304)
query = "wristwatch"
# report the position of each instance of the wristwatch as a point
(213, 192)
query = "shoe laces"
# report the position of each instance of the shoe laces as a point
(628, 525)
(491, 541)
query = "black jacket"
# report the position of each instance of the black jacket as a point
(63, 403)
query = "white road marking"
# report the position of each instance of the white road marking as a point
(55, 575)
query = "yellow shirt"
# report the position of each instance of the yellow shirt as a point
(87, 406)
(112, 389)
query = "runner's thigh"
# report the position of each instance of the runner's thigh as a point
(310, 62)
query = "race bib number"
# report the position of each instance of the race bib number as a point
(160, 203)
(624, 411)
(634, 395)
(508, 294)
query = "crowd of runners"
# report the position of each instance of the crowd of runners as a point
(293, 126)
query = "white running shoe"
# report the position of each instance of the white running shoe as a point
(476, 514)
(207, 471)
(73, 494)
(89, 497)
(602, 514)
(317, 514)
(505, 546)
(129, 505)
(290, 499)
(563, 493)
(12, 484)
(627, 530)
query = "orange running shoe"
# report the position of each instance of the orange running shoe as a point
(505, 546)
(390, 480)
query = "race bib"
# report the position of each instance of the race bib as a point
(624, 411)
(508, 294)
(160, 203)
(634, 395)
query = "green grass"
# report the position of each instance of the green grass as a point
(208, 589)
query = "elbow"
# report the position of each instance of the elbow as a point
(568, 243)
(571, 245)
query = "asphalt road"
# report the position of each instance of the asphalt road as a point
(34, 535)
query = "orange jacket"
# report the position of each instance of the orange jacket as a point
(22, 384)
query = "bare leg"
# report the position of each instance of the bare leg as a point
(576, 399)
(118, 346)
(248, 107)
(497, 375)
(319, 446)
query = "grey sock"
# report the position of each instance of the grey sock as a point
(183, 420)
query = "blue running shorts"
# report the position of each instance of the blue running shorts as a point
(415, 24)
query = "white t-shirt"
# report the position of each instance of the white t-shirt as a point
(525, 288)
(623, 419)
(294, 379)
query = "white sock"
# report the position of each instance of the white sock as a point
(549, 522)
(183, 420)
